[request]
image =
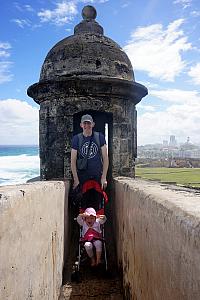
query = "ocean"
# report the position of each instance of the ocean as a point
(18, 164)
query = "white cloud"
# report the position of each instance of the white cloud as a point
(19, 122)
(93, 1)
(126, 4)
(195, 13)
(4, 47)
(28, 8)
(156, 126)
(17, 6)
(62, 14)
(184, 3)
(177, 96)
(181, 119)
(146, 107)
(21, 7)
(195, 74)
(4, 53)
(5, 74)
(87, 1)
(149, 84)
(22, 22)
(157, 51)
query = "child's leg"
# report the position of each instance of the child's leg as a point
(98, 246)
(89, 249)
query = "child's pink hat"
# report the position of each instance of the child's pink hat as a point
(90, 212)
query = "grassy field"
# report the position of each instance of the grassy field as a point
(179, 176)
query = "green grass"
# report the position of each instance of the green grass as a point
(180, 176)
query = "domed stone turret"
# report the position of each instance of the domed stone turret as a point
(87, 73)
(87, 53)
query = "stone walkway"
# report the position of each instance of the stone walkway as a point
(100, 289)
(94, 283)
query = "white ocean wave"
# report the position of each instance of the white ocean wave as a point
(18, 169)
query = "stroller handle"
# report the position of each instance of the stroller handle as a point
(83, 215)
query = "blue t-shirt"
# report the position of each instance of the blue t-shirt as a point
(94, 169)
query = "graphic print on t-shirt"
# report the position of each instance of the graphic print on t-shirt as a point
(93, 150)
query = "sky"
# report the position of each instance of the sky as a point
(161, 38)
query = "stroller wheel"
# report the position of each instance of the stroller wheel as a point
(75, 277)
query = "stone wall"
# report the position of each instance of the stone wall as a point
(32, 218)
(157, 233)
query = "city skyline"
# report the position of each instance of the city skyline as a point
(170, 149)
(161, 39)
(169, 141)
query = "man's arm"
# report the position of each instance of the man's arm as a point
(73, 167)
(104, 153)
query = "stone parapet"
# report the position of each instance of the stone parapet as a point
(157, 230)
(33, 223)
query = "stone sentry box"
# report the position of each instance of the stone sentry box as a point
(87, 73)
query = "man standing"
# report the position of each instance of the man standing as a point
(93, 147)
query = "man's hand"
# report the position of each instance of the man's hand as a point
(103, 183)
(75, 184)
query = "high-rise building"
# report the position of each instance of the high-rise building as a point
(165, 143)
(172, 140)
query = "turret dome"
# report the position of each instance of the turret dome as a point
(87, 53)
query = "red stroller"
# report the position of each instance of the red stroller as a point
(92, 196)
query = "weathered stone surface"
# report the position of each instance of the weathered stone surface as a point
(87, 88)
(88, 24)
(105, 289)
(33, 225)
(87, 54)
(157, 229)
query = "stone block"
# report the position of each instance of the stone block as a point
(124, 146)
(124, 160)
(125, 130)
(116, 145)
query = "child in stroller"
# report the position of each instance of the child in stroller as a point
(91, 233)
(93, 208)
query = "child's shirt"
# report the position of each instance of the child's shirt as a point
(96, 226)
